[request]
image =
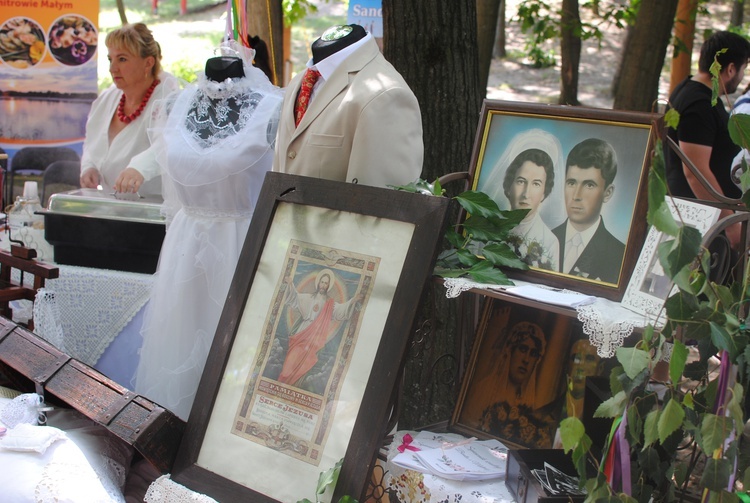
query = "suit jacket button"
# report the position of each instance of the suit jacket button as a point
(292, 154)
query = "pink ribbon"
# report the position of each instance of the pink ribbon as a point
(406, 444)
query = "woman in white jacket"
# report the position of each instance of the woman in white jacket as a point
(114, 150)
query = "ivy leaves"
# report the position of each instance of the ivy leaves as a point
(479, 247)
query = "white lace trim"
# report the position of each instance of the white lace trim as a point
(164, 490)
(607, 324)
(211, 119)
(215, 213)
(23, 409)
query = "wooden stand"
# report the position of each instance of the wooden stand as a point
(33, 365)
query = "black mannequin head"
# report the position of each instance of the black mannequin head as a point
(336, 38)
(221, 68)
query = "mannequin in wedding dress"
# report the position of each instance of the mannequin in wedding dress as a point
(214, 148)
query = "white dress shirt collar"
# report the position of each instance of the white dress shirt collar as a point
(329, 64)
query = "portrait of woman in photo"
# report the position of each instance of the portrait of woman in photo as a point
(523, 178)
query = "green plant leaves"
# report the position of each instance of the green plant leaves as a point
(739, 128)
(571, 432)
(633, 360)
(670, 419)
(677, 361)
(714, 430)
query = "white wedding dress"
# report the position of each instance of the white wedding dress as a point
(214, 150)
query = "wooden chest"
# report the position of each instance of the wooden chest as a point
(524, 486)
(33, 365)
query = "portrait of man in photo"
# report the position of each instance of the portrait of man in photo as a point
(587, 248)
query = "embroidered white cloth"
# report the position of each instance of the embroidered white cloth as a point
(165, 490)
(83, 310)
(417, 487)
(607, 324)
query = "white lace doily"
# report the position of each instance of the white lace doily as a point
(607, 324)
(164, 490)
(88, 308)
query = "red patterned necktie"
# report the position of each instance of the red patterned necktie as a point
(303, 99)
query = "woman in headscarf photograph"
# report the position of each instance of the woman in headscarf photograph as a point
(523, 178)
(515, 390)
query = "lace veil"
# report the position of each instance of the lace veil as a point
(212, 130)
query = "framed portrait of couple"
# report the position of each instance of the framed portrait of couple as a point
(581, 173)
(527, 371)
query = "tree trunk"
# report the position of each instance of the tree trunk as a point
(643, 56)
(258, 18)
(738, 13)
(500, 51)
(570, 52)
(486, 25)
(684, 35)
(433, 44)
(121, 12)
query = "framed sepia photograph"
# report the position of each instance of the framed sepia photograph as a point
(311, 340)
(514, 388)
(649, 286)
(581, 173)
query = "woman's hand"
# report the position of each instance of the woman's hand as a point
(130, 180)
(90, 178)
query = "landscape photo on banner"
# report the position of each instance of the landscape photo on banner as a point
(48, 73)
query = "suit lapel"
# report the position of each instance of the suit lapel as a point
(337, 83)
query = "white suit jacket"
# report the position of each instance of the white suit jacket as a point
(363, 125)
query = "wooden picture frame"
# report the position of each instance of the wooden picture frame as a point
(253, 435)
(649, 287)
(521, 147)
(514, 386)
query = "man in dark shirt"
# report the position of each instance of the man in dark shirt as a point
(702, 131)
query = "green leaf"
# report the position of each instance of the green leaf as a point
(455, 239)
(500, 254)
(682, 251)
(736, 403)
(571, 432)
(329, 477)
(612, 407)
(650, 428)
(714, 430)
(677, 361)
(670, 419)
(716, 474)
(482, 228)
(681, 307)
(479, 204)
(635, 424)
(723, 340)
(633, 360)
(465, 257)
(739, 129)
(347, 499)
(725, 296)
(672, 118)
(484, 272)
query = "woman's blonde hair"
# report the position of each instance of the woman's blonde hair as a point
(138, 40)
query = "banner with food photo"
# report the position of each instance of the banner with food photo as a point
(48, 79)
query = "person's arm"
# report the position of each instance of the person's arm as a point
(701, 156)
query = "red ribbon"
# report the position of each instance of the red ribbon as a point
(406, 444)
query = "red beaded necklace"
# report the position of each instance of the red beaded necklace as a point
(127, 119)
